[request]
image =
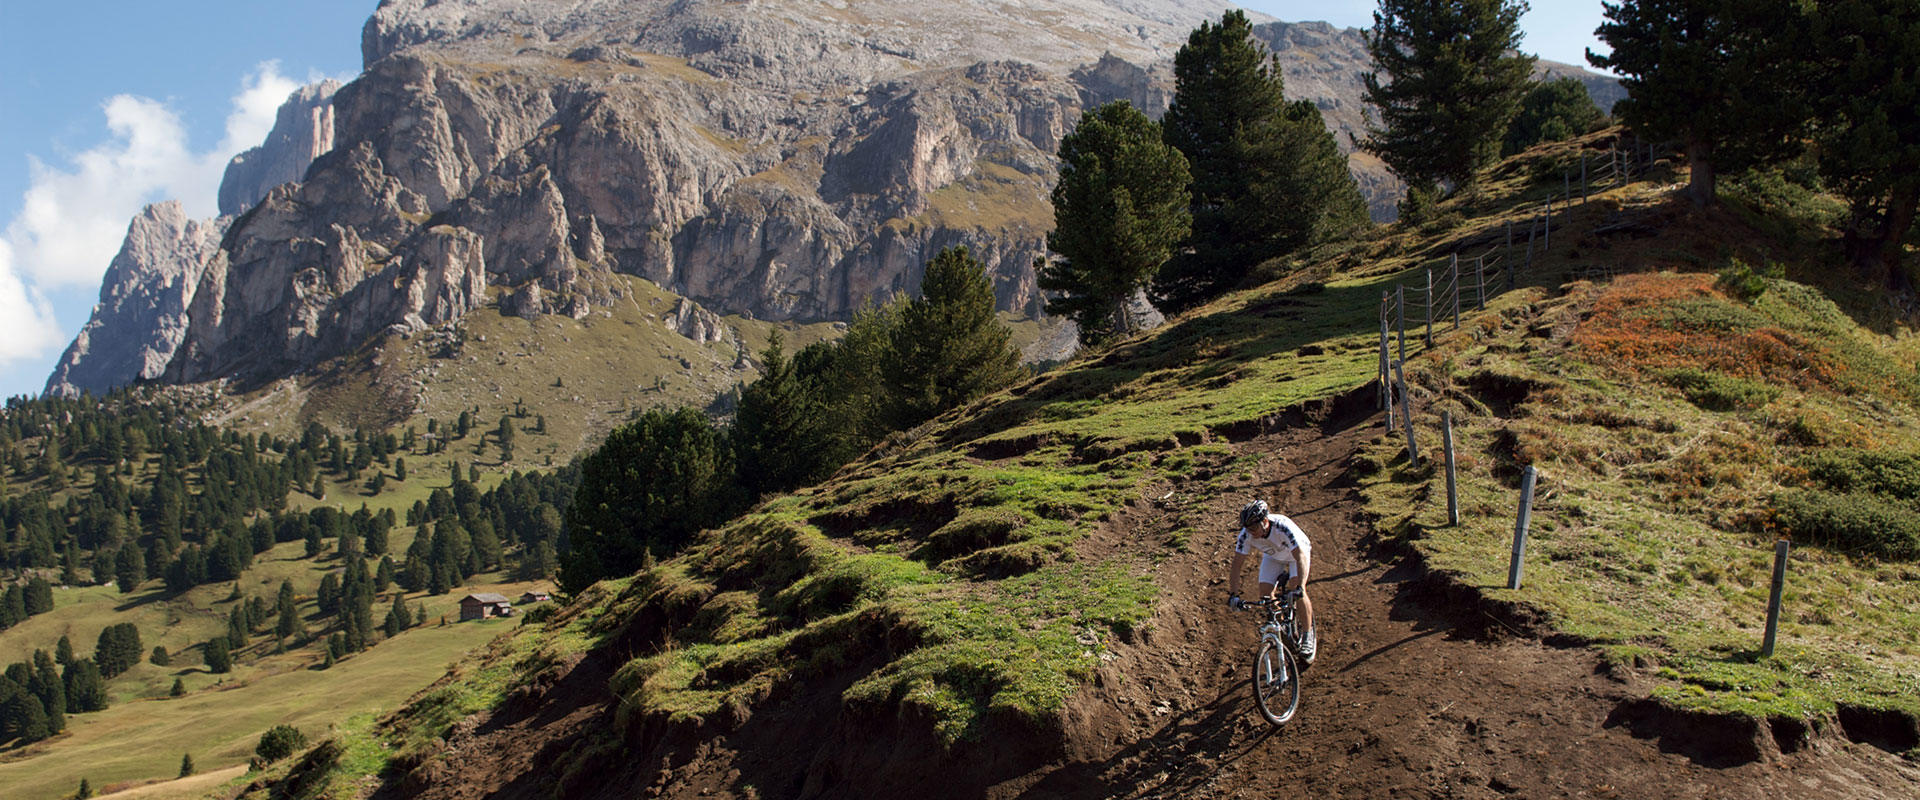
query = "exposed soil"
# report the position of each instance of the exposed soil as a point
(1419, 691)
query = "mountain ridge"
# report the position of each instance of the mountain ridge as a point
(720, 150)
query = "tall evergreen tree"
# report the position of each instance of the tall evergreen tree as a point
(397, 617)
(1866, 97)
(782, 436)
(1267, 176)
(948, 347)
(1452, 83)
(1552, 111)
(1717, 76)
(217, 656)
(649, 487)
(39, 596)
(1120, 208)
(86, 688)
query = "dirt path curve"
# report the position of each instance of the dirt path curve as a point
(1408, 697)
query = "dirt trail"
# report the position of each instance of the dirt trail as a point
(1409, 696)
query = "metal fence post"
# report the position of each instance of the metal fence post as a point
(1453, 495)
(1480, 282)
(1520, 528)
(1773, 601)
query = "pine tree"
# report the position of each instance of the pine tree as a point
(1268, 178)
(1453, 84)
(25, 717)
(85, 791)
(1119, 209)
(397, 618)
(237, 629)
(131, 568)
(1866, 99)
(13, 607)
(160, 657)
(949, 348)
(179, 688)
(186, 765)
(1719, 76)
(86, 689)
(782, 436)
(39, 596)
(63, 652)
(1552, 111)
(216, 655)
(652, 484)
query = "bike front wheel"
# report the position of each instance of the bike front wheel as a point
(1276, 682)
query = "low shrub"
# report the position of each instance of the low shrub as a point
(1714, 391)
(1891, 475)
(1742, 281)
(279, 742)
(1853, 522)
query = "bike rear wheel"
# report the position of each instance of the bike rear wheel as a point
(1276, 682)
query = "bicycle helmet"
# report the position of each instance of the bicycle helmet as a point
(1252, 513)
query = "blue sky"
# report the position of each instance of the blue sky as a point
(112, 104)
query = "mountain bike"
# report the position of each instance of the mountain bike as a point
(1276, 670)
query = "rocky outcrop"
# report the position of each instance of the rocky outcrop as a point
(302, 131)
(690, 320)
(142, 314)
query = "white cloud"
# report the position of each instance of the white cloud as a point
(27, 328)
(74, 215)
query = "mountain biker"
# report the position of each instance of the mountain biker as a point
(1284, 550)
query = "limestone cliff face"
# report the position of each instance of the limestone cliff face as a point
(142, 316)
(779, 158)
(142, 313)
(302, 131)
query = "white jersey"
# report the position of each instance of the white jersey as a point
(1278, 545)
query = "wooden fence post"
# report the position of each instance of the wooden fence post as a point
(1456, 291)
(1480, 281)
(1514, 568)
(1773, 601)
(1400, 315)
(1386, 376)
(1406, 413)
(1429, 308)
(1453, 494)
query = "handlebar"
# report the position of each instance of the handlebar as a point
(1286, 598)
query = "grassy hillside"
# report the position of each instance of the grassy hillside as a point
(955, 577)
(582, 376)
(143, 735)
(1690, 385)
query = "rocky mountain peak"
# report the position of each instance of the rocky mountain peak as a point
(302, 131)
(141, 316)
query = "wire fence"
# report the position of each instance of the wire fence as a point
(1445, 293)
